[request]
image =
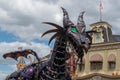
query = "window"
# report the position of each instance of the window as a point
(112, 65)
(98, 37)
(96, 61)
(111, 62)
(96, 65)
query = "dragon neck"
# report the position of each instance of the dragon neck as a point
(58, 57)
(56, 69)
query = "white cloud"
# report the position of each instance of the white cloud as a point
(41, 49)
(3, 75)
(58, 18)
(24, 17)
(26, 33)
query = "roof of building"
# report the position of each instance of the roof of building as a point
(101, 22)
(117, 37)
(107, 31)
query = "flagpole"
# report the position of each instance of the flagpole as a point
(100, 16)
(100, 8)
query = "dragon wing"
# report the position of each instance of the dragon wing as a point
(17, 54)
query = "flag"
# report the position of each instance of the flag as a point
(100, 7)
(19, 48)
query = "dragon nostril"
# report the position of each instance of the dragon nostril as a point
(90, 43)
(83, 42)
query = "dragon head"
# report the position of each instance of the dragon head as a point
(75, 34)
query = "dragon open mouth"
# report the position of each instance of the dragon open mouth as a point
(79, 49)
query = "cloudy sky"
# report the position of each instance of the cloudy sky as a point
(21, 23)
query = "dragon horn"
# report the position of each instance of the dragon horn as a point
(66, 20)
(80, 23)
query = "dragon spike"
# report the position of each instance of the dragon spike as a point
(53, 24)
(66, 21)
(80, 23)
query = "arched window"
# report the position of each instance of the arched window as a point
(111, 62)
(96, 62)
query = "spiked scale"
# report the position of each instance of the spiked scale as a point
(59, 31)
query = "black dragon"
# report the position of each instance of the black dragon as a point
(55, 67)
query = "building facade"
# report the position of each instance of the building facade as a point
(102, 62)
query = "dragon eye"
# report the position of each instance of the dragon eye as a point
(74, 29)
